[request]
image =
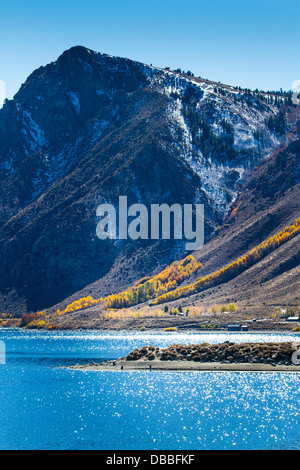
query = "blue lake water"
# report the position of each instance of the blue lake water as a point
(43, 406)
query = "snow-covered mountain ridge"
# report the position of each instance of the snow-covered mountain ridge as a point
(50, 110)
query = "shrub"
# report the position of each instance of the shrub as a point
(232, 307)
(30, 319)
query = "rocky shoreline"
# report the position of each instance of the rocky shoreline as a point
(205, 356)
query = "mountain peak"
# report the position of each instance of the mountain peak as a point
(77, 52)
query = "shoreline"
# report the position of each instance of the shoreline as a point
(183, 366)
(225, 356)
(194, 330)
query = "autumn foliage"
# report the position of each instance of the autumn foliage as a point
(80, 304)
(30, 320)
(149, 288)
(234, 269)
(163, 287)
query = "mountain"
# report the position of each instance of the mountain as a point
(89, 128)
(263, 221)
(267, 205)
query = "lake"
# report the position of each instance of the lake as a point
(43, 406)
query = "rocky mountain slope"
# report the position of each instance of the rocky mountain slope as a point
(268, 202)
(266, 205)
(90, 127)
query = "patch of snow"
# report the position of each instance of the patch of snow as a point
(75, 101)
(35, 135)
(212, 174)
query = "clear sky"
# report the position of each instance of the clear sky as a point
(250, 43)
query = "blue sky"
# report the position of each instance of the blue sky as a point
(251, 43)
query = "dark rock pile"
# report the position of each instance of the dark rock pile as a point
(267, 353)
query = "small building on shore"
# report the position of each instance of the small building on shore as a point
(233, 327)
